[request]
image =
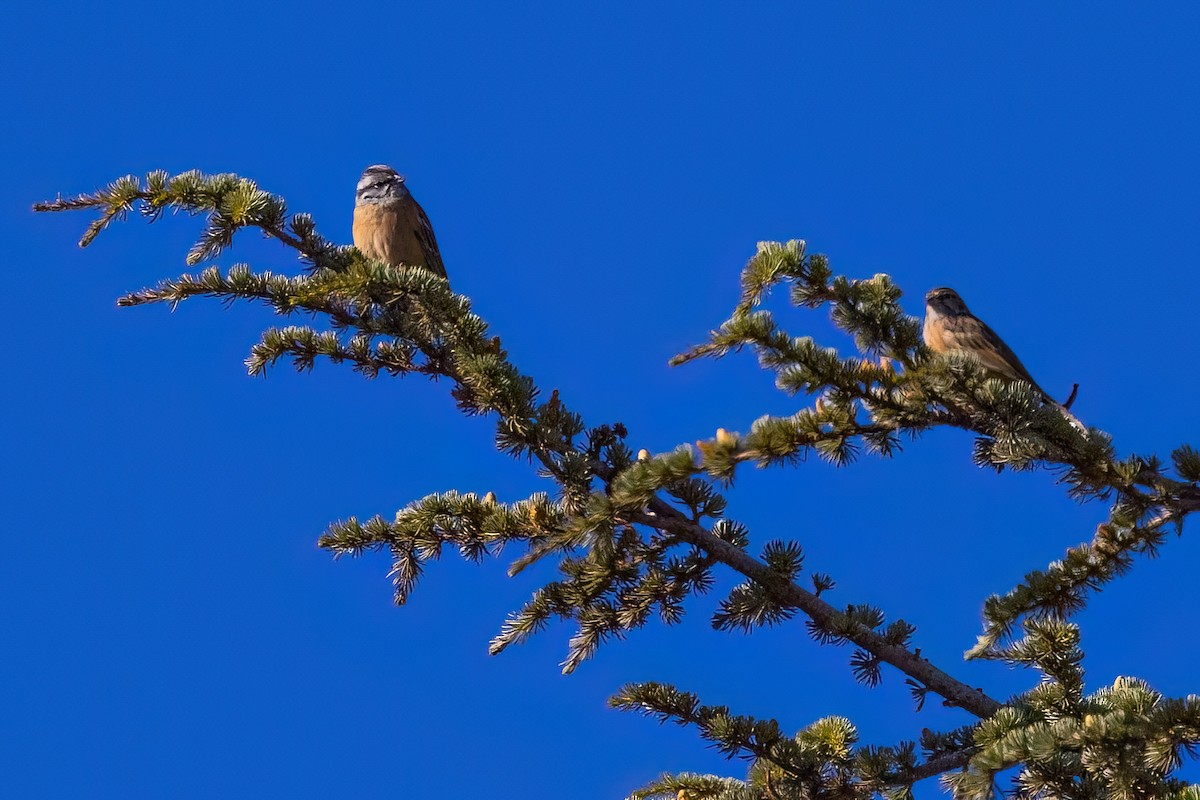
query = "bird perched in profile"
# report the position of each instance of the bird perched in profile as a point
(390, 225)
(951, 327)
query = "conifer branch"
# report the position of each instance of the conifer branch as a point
(1120, 742)
(909, 390)
(637, 536)
(819, 760)
(937, 765)
(420, 315)
(730, 734)
(229, 201)
(824, 615)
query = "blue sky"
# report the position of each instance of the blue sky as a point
(597, 179)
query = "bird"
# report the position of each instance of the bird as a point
(389, 223)
(950, 327)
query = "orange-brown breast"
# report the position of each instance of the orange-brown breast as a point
(933, 334)
(387, 232)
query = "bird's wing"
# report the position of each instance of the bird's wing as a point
(428, 242)
(972, 335)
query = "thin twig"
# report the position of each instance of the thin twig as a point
(937, 765)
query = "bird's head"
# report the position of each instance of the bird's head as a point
(945, 301)
(380, 182)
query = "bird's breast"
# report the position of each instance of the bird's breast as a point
(934, 332)
(385, 232)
